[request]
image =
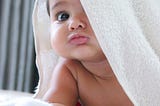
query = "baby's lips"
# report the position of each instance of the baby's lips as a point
(78, 39)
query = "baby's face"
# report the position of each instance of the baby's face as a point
(71, 34)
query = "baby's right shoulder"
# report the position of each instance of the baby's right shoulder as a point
(67, 66)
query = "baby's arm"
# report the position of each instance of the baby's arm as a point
(63, 88)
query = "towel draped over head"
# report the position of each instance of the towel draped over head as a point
(128, 32)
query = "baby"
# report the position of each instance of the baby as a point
(83, 74)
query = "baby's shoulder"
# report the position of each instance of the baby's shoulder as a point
(68, 66)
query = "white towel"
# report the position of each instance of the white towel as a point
(129, 34)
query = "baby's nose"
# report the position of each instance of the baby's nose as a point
(77, 24)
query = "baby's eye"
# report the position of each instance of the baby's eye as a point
(62, 16)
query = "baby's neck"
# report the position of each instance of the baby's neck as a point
(100, 69)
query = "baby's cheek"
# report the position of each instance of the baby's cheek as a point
(56, 46)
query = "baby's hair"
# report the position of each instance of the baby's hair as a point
(47, 5)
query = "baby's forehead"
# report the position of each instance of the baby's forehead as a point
(61, 1)
(56, 3)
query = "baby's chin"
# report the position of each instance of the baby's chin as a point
(90, 59)
(83, 55)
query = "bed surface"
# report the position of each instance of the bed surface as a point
(6, 95)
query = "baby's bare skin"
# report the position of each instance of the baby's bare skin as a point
(89, 88)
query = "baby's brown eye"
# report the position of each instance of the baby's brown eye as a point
(62, 16)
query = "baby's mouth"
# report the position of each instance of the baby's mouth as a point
(78, 39)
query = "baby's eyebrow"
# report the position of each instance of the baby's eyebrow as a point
(58, 4)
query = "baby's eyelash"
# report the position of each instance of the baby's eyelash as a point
(59, 13)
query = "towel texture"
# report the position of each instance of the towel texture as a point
(128, 32)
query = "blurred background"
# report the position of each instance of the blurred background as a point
(18, 71)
